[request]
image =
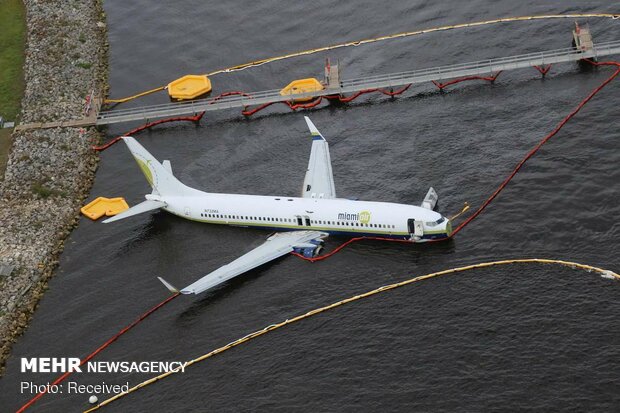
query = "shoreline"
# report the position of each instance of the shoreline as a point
(49, 171)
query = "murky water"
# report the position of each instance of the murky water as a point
(538, 338)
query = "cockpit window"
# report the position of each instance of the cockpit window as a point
(435, 223)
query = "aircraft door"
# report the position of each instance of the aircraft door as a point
(416, 228)
(299, 221)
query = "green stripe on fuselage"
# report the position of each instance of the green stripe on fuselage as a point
(295, 227)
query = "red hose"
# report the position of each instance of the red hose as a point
(463, 79)
(261, 107)
(543, 69)
(541, 143)
(149, 125)
(355, 95)
(317, 101)
(309, 105)
(99, 349)
(344, 244)
(398, 92)
(195, 118)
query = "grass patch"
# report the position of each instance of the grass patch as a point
(12, 41)
(5, 146)
(42, 191)
(84, 65)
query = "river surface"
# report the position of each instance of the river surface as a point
(512, 338)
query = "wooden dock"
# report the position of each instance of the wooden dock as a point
(91, 111)
(342, 87)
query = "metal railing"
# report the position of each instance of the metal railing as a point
(368, 82)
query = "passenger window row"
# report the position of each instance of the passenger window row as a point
(246, 218)
(315, 222)
(352, 224)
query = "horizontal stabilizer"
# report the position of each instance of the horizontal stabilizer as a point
(146, 206)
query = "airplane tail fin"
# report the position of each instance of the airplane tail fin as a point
(159, 176)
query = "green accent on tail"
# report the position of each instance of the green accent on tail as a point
(146, 170)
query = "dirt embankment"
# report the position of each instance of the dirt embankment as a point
(49, 171)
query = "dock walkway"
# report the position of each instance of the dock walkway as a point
(388, 81)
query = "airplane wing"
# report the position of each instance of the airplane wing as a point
(276, 246)
(319, 180)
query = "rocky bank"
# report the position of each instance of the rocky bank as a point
(50, 171)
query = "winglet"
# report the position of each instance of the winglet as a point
(168, 285)
(313, 130)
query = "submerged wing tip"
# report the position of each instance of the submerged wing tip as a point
(108, 220)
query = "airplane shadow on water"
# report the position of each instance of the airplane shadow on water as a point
(159, 223)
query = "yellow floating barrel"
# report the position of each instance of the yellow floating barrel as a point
(189, 87)
(302, 86)
(104, 206)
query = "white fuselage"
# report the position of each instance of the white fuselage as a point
(334, 216)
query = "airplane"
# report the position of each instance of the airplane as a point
(300, 223)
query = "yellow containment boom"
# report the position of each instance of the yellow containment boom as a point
(302, 86)
(189, 87)
(104, 206)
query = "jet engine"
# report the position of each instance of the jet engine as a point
(310, 249)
